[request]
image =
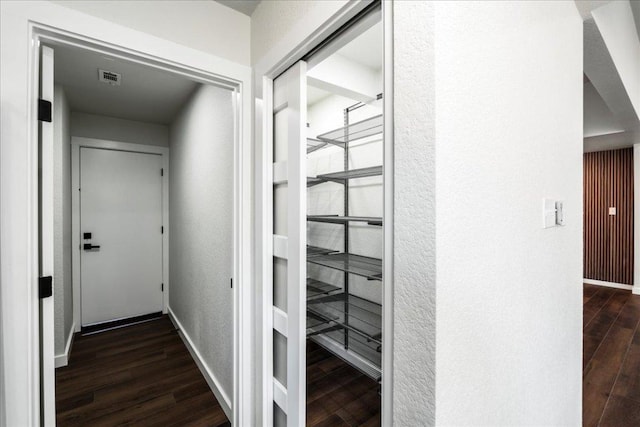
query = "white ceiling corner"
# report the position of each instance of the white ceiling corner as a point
(243, 6)
(586, 6)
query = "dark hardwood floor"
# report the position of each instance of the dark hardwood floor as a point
(139, 375)
(143, 375)
(611, 357)
(337, 393)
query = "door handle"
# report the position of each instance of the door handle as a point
(89, 246)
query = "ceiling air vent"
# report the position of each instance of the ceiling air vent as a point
(109, 77)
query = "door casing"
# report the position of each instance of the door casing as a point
(47, 371)
(76, 144)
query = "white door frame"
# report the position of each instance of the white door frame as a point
(47, 244)
(265, 78)
(236, 78)
(77, 143)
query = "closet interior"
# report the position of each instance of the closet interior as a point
(345, 207)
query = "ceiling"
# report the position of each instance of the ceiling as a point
(243, 6)
(610, 119)
(586, 6)
(146, 94)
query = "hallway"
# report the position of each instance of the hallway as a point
(611, 357)
(137, 375)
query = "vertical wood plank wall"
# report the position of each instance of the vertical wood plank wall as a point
(608, 239)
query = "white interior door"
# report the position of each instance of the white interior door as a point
(285, 113)
(121, 262)
(47, 349)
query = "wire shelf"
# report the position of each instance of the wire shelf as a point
(354, 314)
(316, 288)
(313, 251)
(371, 268)
(351, 174)
(314, 144)
(353, 132)
(335, 219)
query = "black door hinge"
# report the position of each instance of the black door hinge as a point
(45, 287)
(162, 287)
(162, 172)
(231, 282)
(162, 229)
(44, 110)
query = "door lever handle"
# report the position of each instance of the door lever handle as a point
(89, 246)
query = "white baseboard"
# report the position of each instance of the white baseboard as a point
(213, 382)
(63, 359)
(608, 284)
(636, 290)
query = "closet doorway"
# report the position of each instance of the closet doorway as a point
(325, 286)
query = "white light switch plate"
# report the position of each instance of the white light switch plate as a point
(559, 212)
(548, 213)
(612, 211)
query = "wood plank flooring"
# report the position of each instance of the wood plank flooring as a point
(337, 393)
(139, 375)
(143, 375)
(611, 357)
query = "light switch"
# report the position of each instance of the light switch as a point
(559, 213)
(552, 213)
(548, 213)
(612, 210)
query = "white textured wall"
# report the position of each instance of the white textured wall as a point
(115, 129)
(414, 264)
(201, 227)
(204, 25)
(63, 300)
(509, 293)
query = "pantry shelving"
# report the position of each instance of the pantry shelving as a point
(333, 310)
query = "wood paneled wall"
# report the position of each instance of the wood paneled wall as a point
(608, 239)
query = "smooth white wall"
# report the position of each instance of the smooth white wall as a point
(63, 298)
(201, 227)
(115, 129)
(208, 26)
(508, 292)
